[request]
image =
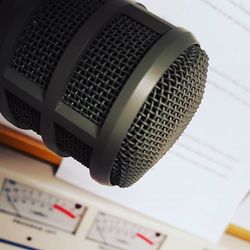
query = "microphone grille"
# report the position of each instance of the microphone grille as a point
(38, 52)
(106, 66)
(47, 35)
(24, 114)
(95, 79)
(73, 146)
(163, 117)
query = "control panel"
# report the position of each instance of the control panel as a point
(39, 211)
(38, 206)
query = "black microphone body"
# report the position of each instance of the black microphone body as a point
(103, 81)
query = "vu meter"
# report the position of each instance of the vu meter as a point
(120, 234)
(29, 203)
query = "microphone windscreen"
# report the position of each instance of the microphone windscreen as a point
(103, 81)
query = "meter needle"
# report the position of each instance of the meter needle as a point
(13, 205)
(64, 211)
(141, 236)
(101, 234)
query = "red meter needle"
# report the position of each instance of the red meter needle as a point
(150, 242)
(65, 211)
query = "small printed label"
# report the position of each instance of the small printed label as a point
(34, 226)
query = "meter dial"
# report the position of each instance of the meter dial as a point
(35, 205)
(121, 234)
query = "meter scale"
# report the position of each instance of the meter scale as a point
(120, 234)
(38, 206)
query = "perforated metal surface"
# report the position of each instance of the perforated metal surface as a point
(106, 66)
(47, 36)
(163, 117)
(25, 115)
(72, 146)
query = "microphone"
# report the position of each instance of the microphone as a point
(104, 81)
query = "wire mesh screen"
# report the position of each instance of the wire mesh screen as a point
(162, 118)
(106, 66)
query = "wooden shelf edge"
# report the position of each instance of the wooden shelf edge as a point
(27, 145)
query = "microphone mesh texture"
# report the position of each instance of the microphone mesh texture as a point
(163, 117)
(106, 67)
(73, 146)
(41, 46)
(25, 115)
(101, 74)
(47, 35)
